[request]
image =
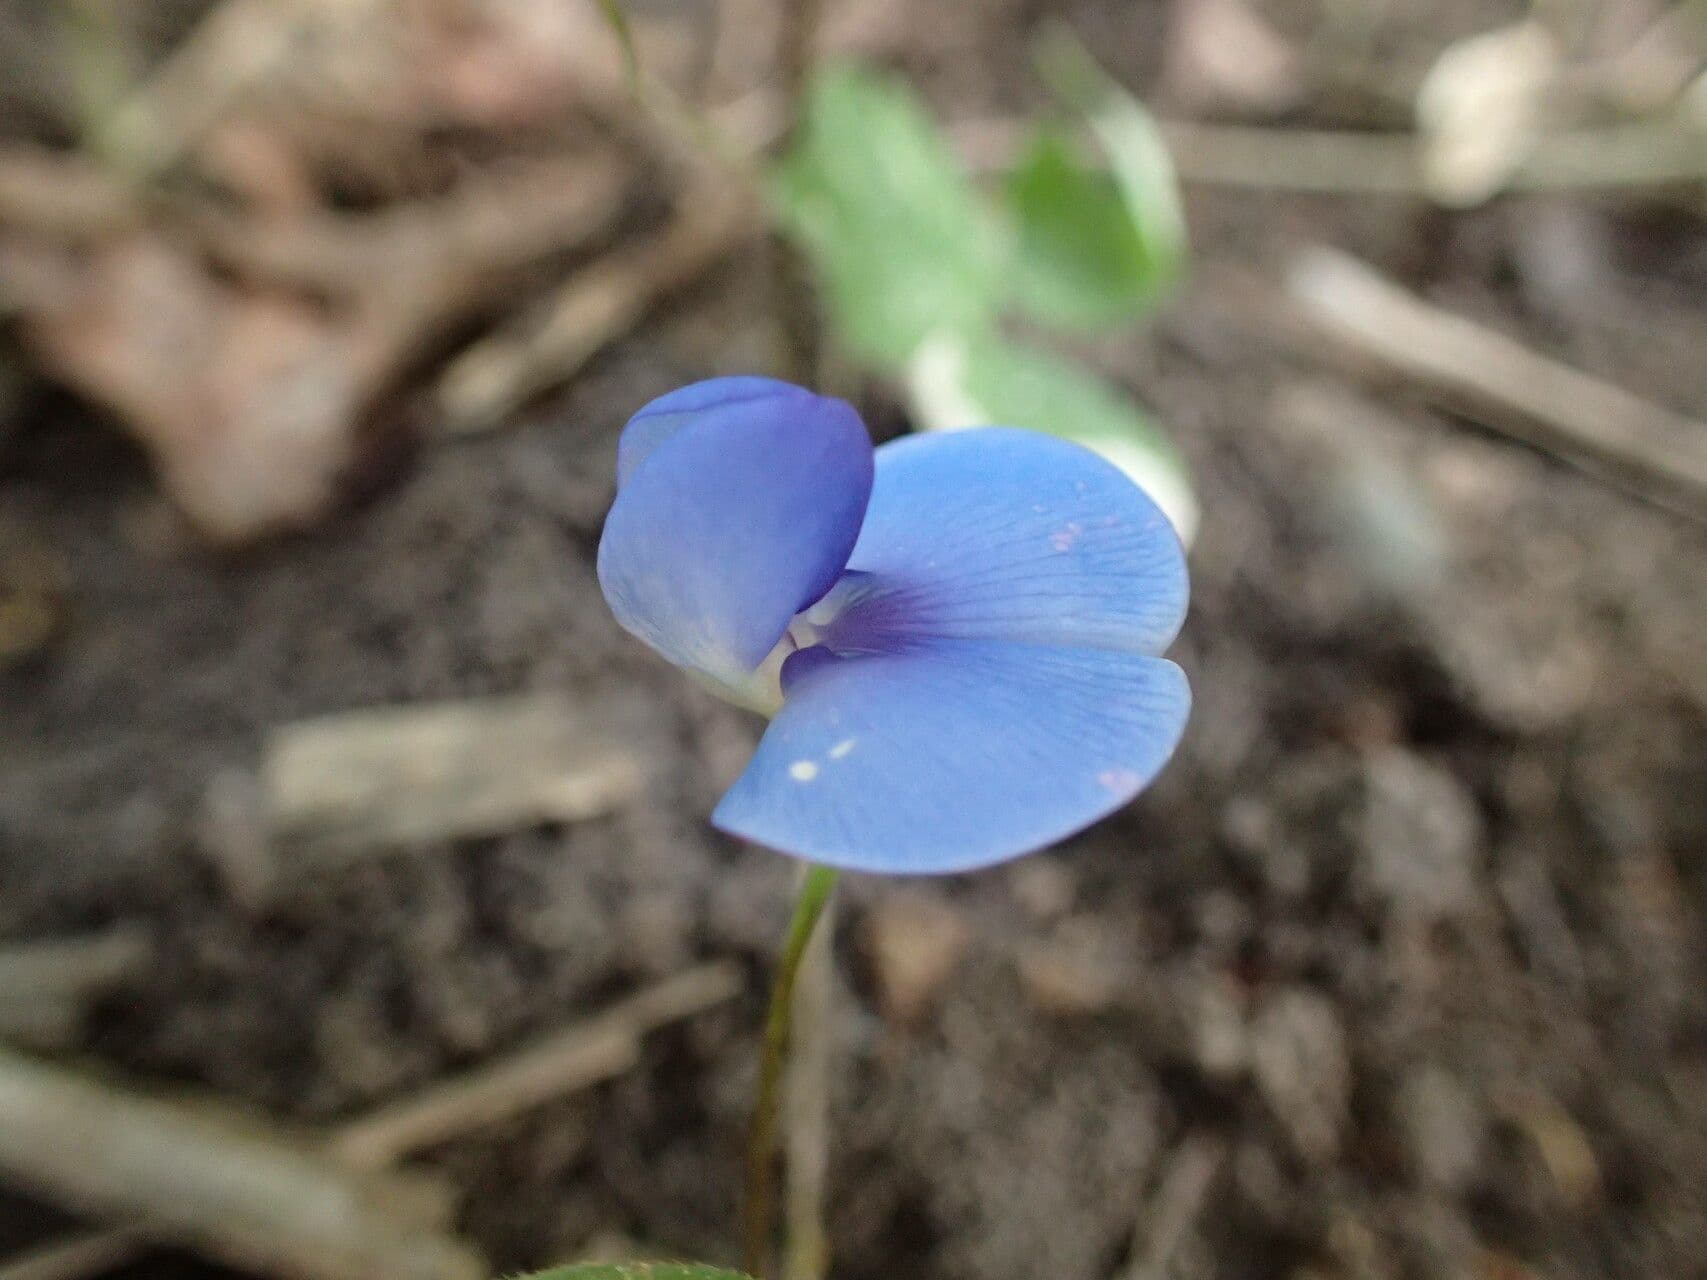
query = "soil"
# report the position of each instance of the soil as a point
(1408, 940)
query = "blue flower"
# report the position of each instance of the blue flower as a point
(958, 634)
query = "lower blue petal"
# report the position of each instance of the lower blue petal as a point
(1002, 534)
(949, 755)
(739, 501)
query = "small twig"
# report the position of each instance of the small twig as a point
(89, 1254)
(249, 1196)
(67, 196)
(483, 228)
(1654, 153)
(407, 268)
(598, 1049)
(101, 63)
(797, 49)
(78, 966)
(713, 155)
(367, 781)
(238, 45)
(1178, 1201)
(592, 309)
(1645, 449)
(571, 1060)
(46, 987)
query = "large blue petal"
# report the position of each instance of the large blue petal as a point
(1003, 534)
(950, 755)
(739, 501)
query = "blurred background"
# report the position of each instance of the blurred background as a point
(359, 915)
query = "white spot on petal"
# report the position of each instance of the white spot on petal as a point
(1063, 539)
(1118, 779)
(803, 771)
(841, 749)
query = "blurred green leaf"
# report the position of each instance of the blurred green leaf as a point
(636, 1271)
(961, 382)
(901, 241)
(1082, 260)
(1095, 245)
(616, 18)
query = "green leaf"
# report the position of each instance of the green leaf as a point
(1095, 245)
(959, 382)
(1082, 260)
(638, 1271)
(902, 243)
(616, 18)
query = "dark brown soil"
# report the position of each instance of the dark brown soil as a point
(1412, 928)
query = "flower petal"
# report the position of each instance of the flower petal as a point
(950, 755)
(739, 501)
(1001, 534)
(668, 414)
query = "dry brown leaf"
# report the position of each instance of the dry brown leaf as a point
(260, 165)
(246, 400)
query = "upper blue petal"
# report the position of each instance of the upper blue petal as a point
(668, 414)
(942, 756)
(1002, 534)
(739, 501)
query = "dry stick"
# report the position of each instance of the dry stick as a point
(1644, 154)
(1657, 153)
(1178, 1201)
(498, 223)
(353, 783)
(580, 1056)
(247, 1195)
(77, 966)
(602, 1047)
(89, 1254)
(417, 268)
(1648, 450)
(713, 155)
(239, 44)
(66, 196)
(443, 245)
(46, 987)
(592, 309)
(718, 151)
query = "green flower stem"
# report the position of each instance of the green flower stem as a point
(758, 1208)
(805, 1137)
